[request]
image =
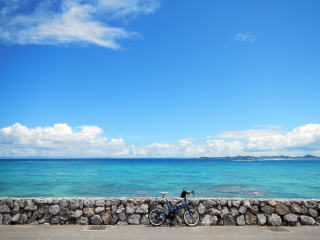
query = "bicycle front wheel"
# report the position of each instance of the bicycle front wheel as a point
(157, 216)
(191, 217)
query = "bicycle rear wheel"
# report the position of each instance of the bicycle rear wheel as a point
(191, 217)
(157, 216)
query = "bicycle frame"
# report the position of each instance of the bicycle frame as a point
(172, 210)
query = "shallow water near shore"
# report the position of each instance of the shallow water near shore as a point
(147, 177)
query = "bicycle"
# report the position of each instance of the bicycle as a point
(191, 217)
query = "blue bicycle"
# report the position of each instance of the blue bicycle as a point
(157, 216)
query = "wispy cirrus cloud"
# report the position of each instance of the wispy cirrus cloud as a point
(56, 22)
(61, 140)
(245, 37)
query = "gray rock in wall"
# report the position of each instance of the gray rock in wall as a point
(54, 209)
(16, 207)
(223, 202)
(210, 203)
(246, 203)
(74, 204)
(241, 220)
(291, 218)
(16, 218)
(23, 218)
(55, 220)
(114, 220)
(43, 209)
(144, 219)
(143, 208)
(88, 203)
(310, 204)
(225, 211)
(115, 202)
(4, 209)
(122, 216)
(313, 212)
(262, 219)
(30, 206)
(134, 219)
(307, 220)
(6, 219)
(99, 210)
(9, 203)
(215, 212)
(274, 220)
(120, 209)
(34, 217)
(108, 203)
(96, 220)
(228, 220)
(78, 213)
(66, 214)
(130, 208)
(242, 210)
(201, 209)
(254, 209)
(209, 220)
(267, 210)
(100, 203)
(236, 203)
(63, 203)
(234, 212)
(1, 218)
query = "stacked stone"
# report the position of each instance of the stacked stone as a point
(259, 212)
(124, 211)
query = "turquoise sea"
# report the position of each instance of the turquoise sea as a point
(147, 177)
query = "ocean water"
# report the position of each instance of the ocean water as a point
(147, 177)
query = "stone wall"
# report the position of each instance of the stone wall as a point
(292, 212)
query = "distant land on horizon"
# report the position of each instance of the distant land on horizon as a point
(248, 157)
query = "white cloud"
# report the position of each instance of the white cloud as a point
(58, 22)
(245, 37)
(61, 140)
(246, 133)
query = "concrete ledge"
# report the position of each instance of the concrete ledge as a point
(123, 211)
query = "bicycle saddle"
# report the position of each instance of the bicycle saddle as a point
(164, 193)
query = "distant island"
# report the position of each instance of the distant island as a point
(248, 157)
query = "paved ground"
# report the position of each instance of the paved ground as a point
(46, 232)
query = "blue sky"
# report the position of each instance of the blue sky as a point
(150, 73)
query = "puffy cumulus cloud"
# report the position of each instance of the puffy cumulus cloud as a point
(61, 140)
(246, 133)
(57, 22)
(304, 137)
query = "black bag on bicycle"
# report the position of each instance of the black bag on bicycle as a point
(183, 194)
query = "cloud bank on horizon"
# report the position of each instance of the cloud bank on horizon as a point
(57, 22)
(61, 140)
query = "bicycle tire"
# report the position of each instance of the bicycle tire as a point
(156, 216)
(193, 219)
